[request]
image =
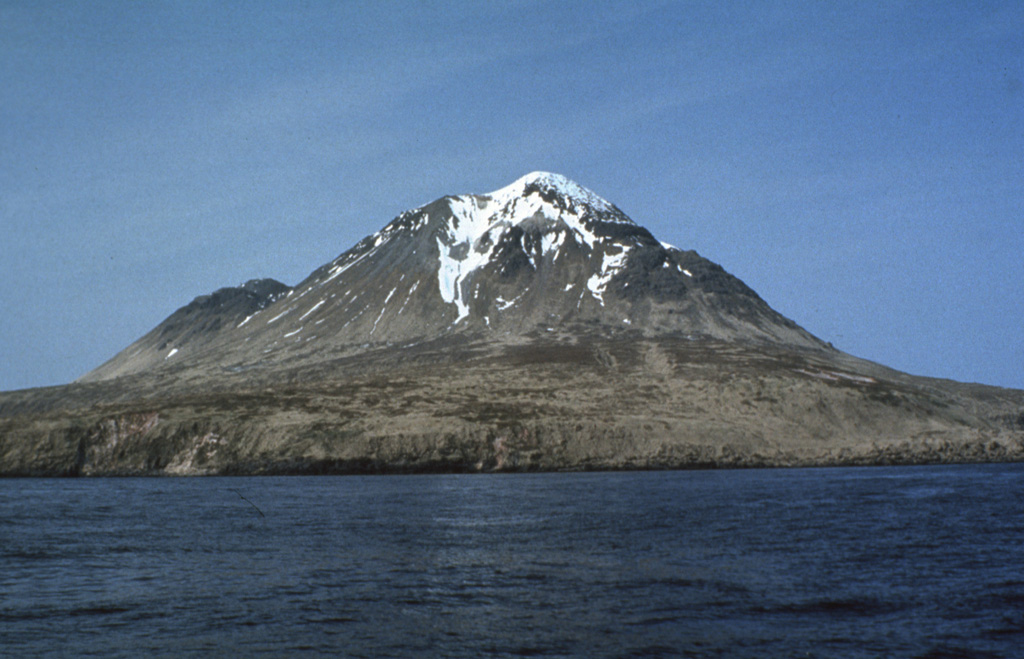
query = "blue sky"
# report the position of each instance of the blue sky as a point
(861, 165)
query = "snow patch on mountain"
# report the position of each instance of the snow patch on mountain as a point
(478, 223)
(611, 264)
(383, 308)
(338, 268)
(278, 316)
(412, 290)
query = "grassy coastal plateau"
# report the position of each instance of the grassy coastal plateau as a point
(547, 402)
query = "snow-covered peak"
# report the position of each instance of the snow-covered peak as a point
(547, 182)
(538, 218)
(551, 203)
(482, 219)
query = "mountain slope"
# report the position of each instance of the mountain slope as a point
(542, 253)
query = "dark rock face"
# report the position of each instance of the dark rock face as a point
(533, 328)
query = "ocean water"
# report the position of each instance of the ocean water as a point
(860, 562)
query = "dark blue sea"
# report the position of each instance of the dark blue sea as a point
(859, 562)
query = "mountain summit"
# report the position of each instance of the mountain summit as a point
(541, 254)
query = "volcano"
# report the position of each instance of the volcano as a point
(536, 327)
(540, 254)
